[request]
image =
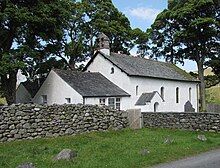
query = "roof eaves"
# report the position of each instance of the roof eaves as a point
(133, 75)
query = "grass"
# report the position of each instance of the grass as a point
(108, 149)
(2, 101)
(213, 95)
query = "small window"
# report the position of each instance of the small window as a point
(190, 94)
(136, 90)
(101, 102)
(118, 103)
(112, 70)
(111, 102)
(44, 99)
(162, 92)
(177, 95)
(68, 100)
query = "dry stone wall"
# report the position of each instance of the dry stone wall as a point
(30, 121)
(187, 121)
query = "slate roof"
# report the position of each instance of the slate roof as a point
(33, 86)
(136, 66)
(90, 84)
(146, 97)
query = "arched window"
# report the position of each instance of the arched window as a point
(162, 92)
(177, 95)
(156, 106)
(136, 90)
(190, 94)
(112, 70)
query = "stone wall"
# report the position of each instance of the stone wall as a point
(34, 121)
(187, 121)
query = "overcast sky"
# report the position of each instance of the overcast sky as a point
(142, 13)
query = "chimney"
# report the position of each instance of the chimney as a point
(103, 43)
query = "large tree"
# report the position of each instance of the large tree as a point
(29, 30)
(103, 16)
(188, 29)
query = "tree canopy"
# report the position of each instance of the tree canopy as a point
(188, 29)
(29, 31)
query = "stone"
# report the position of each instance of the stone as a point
(144, 152)
(66, 154)
(202, 138)
(168, 140)
(87, 114)
(26, 165)
(69, 131)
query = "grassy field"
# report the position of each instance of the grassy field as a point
(109, 149)
(213, 95)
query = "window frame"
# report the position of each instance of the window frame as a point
(101, 102)
(114, 103)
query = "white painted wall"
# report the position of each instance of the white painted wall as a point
(22, 95)
(102, 65)
(57, 90)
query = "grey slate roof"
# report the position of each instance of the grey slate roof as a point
(135, 66)
(90, 84)
(144, 98)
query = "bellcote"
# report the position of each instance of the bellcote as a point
(103, 43)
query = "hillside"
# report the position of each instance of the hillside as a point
(213, 95)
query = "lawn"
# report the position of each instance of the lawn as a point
(119, 149)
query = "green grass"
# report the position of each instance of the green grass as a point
(119, 149)
(213, 95)
(2, 101)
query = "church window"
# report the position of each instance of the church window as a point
(177, 95)
(136, 90)
(112, 70)
(190, 94)
(162, 92)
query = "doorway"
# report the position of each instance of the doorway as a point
(156, 106)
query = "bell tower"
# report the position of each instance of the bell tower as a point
(103, 43)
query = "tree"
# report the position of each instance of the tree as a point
(103, 16)
(188, 29)
(29, 30)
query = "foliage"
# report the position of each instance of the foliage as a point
(211, 80)
(29, 30)
(108, 149)
(103, 16)
(188, 29)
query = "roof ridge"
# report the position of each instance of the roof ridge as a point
(147, 59)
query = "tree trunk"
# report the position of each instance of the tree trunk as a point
(201, 86)
(9, 86)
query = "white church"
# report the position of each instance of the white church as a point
(120, 81)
